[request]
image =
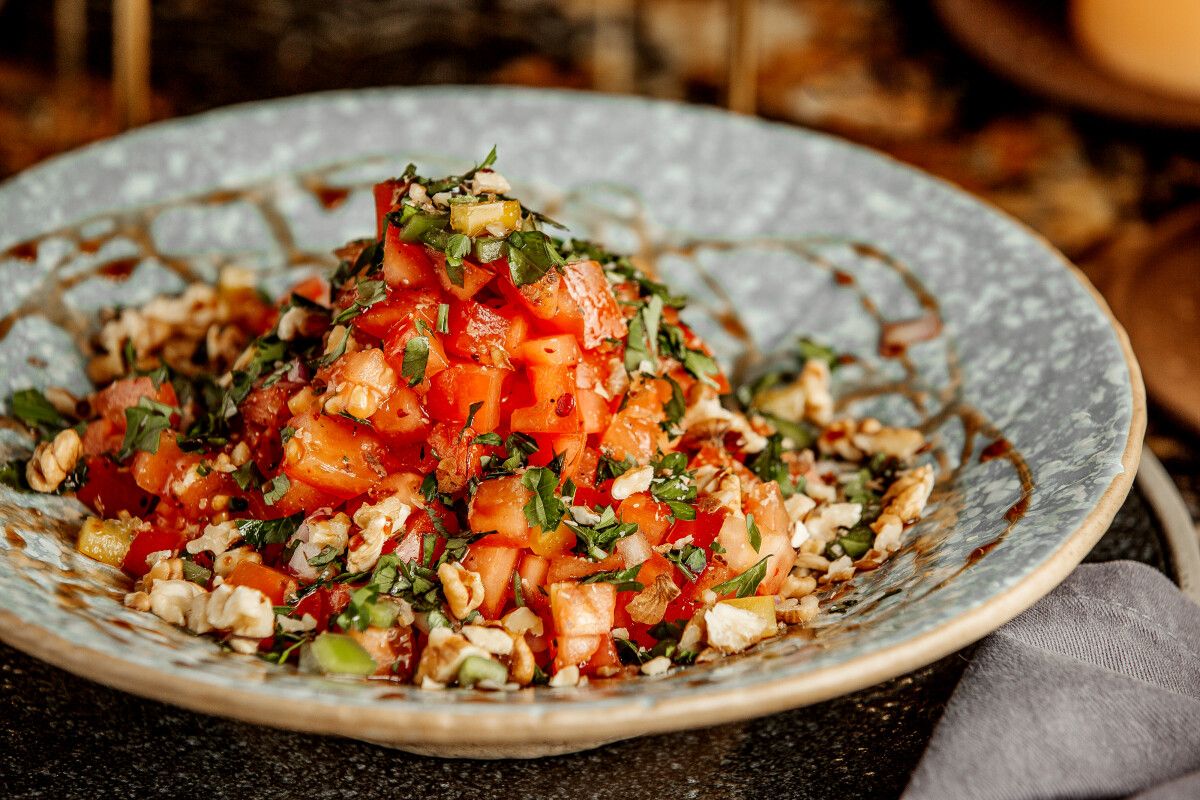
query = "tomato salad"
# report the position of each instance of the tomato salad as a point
(476, 455)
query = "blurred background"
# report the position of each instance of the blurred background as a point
(1080, 118)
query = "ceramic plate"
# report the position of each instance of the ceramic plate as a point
(1021, 376)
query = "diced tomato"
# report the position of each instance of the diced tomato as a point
(475, 277)
(766, 504)
(111, 401)
(455, 390)
(483, 334)
(145, 543)
(605, 661)
(540, 298)
(274, 584)
(334, 455)
(652, 518)
(102, 436)
(594, 415)
(498, 505)
(399, 307)
(298, 496)
(495, 568)
(533, 569)
(568, 445)
(111, 489)
(575, 651)
(703, 529)
(402, 418)
(194, 492)
(589, 308)
(554, 409)
(582, 609)
(458, 457)
(553, 543)
(550, 351)
(314, 288)
(568, 567)
(632, 436)
(316, 605)
(406, 265)
(388, 195)
(590, 498)
(396, 344)
(585, 471)
(393, 649)
(154, 471)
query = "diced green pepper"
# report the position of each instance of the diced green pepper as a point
(336, 654)
(420, 225)
(856, 541)
(475, 669)
(384, 612)
(195, 573)
(489, 249)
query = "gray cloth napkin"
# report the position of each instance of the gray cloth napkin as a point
(1094, 692)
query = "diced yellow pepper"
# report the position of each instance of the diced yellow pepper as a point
(475, 218)
(106, 540)
(762, 607)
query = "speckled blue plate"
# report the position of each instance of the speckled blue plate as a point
(959, 319)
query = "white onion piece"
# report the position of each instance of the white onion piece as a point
(634, 549)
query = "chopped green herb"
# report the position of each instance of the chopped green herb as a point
(596, 542)
(855, 542)
(518, 590)
(260, 532)
(489, 439)
(472, 410)
(327, 556)
(416, 357)
(690, 560)
(31, 407)
(531, 254)
(810, 350)
(768, 465)
(12, 473)
(274, 490)
(545, 509)
(443, 318)
(754, 533)
(611, 468)
(144, 424)
(746, 584)
(247, 475)
(625, 580)
(368, 294)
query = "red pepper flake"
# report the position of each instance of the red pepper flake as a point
(565, 405)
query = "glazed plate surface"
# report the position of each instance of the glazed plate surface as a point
(1020, 374)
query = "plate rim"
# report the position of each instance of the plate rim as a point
(567, 723)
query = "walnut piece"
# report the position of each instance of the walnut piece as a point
(53, 461)
(463, 588)
(650, 604)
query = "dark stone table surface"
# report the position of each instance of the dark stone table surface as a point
(65, 737)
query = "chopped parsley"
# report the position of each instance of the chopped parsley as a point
(275, 489)
(32, 408)
(690, 559)
(596, 542)
(144, 424)
(416, 357)
(260, 532)
(746, 584)
(625, 580)
(545, 508)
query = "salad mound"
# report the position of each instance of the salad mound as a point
(478, 454)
